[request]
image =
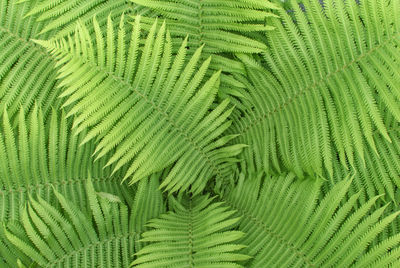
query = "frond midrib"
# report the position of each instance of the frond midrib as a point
(91, 246)
(49, 184)
(164, 115)
(190, 235)
(295, 250)
(27, 42)
(200, 23)
(198, 29)
(249, 124)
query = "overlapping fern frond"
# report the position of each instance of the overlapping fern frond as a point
(70, 237)
(288, 224)
(43, 155)
(220, 25)
(145, 103)
(181, 102)
(322, 88)
(375, 174)
(148, 204)
(62, 15)
(197, 234)
(27, 72)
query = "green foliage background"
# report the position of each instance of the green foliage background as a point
(199, 133)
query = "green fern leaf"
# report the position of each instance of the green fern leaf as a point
(69, 236)
(375, 174)
(220, 25)
(148, 204)
(62, 15)
(197, 234)
(45, 154)
(37, 158)
(288, 224)
(146, 104)
(323, 87)
(27, 72)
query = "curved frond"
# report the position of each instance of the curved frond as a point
(197, 234)
(69, 236)
(148, 204)
(27, 71)
(323, 87)
(43, 155)
(220, 25)
(288, 224)
(62, 15)
(375, 174)
(151, 107)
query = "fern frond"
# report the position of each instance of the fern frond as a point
(102, 237)
(220, 25)
(314, 96)
(62, 15)
(43, 154)
(197, 234)
(10, 255)
(288, 224)
(148, 204)
(375, 174)
(46, 154)
(151, 107)
(27, 72)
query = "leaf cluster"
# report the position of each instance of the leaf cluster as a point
(199, 133)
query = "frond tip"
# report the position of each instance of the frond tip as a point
(153, 108)
(197, 234)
